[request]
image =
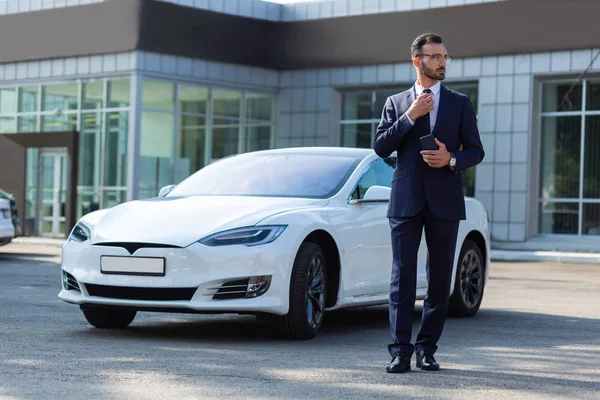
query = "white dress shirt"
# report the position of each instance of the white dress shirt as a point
(435, 94)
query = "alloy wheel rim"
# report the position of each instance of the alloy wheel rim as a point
(471, 282)
(315, 292)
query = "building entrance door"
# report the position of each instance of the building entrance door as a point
(52, 192)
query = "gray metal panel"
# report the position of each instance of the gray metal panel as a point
(98, 28)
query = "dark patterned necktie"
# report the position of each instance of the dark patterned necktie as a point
(427, 116)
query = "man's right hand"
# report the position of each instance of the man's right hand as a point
(421, 106)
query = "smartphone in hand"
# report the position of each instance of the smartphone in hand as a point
(428, 143)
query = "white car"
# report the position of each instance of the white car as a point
(7, 229)
(286, 234)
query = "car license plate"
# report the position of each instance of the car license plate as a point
(152, 266)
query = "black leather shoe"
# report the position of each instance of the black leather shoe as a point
(426, 362)
(400, 363)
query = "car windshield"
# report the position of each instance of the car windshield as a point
(270, 174)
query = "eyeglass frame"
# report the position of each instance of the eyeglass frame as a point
(437, 57)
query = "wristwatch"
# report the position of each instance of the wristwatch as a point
(452, 161)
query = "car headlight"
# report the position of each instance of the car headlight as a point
(249, 236)
(80, 233)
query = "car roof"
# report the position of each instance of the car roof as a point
(320, 150)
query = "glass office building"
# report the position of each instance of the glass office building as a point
(200, 80)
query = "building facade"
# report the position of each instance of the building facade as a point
(167, 87)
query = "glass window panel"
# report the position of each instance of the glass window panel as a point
(591, 161)
(561, 143)
(7, 101)
(93, 95)
(258, 137)
(471, 90)
(193, 99)
(87, 201)
(560, 97)
(158, 95)
(118, 93)
(64, 122)
(90, 147)
(380, 174)
(227, 103)
(192, 146)
(592, 101)
(111, 198)
(591, 219)
(380, 98)
(27, 124)
(357, 135)
(7, 125)
(225, 139)
(156, 152)
(28, 99)
(357, 106)
(63, 97)
(115, 156)
(259, 106)
(559, 218)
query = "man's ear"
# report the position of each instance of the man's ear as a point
(417, 62)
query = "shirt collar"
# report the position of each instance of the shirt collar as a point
(435, 89)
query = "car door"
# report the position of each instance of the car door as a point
(366, 235)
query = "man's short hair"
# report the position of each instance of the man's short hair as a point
(417, 46)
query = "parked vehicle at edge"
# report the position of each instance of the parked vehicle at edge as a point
(16, 220)
(285, 234)
(7, 229)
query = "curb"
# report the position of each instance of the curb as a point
(551, 256)
(39, 241)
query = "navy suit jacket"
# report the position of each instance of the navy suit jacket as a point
(414, 182)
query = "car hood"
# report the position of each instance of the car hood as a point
(180, 221)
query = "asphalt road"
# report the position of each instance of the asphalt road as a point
(537, 336)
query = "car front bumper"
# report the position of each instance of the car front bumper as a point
(192, 277)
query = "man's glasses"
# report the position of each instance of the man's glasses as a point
(437, 57)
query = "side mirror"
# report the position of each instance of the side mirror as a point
(375, 194)
(166, 190)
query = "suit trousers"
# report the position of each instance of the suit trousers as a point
(440, 236)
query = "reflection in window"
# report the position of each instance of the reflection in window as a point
(156, 152)
(63, 122)
(225, 138)
(568, 200)
(357, 135)
(258, 137)
(259, 106)
(193, 99)
(118, 93)
(90, 147)
(93, 95)
(192, 146)
(227, 103)
(380, 173)
(158, 95)
(63, 97)
(28, 99)
(115, 150)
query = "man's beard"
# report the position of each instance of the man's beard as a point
(432, 74)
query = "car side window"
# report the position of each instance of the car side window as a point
(380, 173)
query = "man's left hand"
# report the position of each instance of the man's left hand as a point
(437, 158)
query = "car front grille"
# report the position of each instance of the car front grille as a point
(229, 290)
(138, 293)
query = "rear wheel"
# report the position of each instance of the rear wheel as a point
(469, 282)
(307, 294)
(108, 318)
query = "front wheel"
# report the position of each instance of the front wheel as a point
(469, 282)
(108, 318)
(307, 294)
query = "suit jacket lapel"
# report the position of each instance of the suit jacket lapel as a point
(444, 110)
(420, 122)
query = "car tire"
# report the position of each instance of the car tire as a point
(308, 285)
(469, 281)
(108, 318)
